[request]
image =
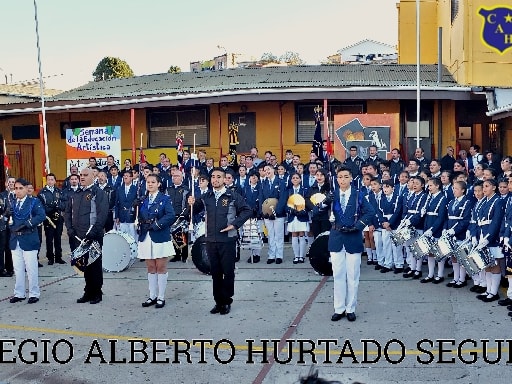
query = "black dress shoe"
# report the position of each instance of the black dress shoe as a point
(417, 275)
(378, 267)
(438, 280)
(15, 299)
(271, 261)
(385, 270)
(254, 259)
(160, 303)
(175, 259)
(505, 302)
(279, 261)
(83, 299)
(149, 302)
(481, 289)
(50, 262)
(215, 309)
(510, 314)
(296, 260)
(351, 316)
(481, 296)
(32, 300)
(4, 273)
(369, 262)
(398, 270)
(474, 288)
(96, 300)
(39, 265)
(60, 261)
(451, 283)
(459, 284)
(337, 316)
(301, 260)
(427, 280)
(408, 274)
(509, 307)
(225, 309)
(489, 299)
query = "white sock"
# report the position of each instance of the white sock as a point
(488, 279)
(431, 266)
(295, 246)
(374, 254)
(440, 269)
(456, 273)
(162, 284)
(495, 278)
(462, 275)
(483, 279)
(369, 253)
(302, 247)
(153, 285)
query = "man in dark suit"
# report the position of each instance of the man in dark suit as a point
(24, 243)
(113, 177)
(352, 214)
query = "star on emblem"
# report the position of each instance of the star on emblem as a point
(508, 18)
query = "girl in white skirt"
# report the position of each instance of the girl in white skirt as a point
(156, 215)
(298, 218)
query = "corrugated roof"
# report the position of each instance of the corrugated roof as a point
(30, 91)
(383, 75)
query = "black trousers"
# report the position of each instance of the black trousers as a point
(53, 239)
(93, 276)
(319, 226)
(9, 267)
(222, 263)
(109, 224)
(3, 245)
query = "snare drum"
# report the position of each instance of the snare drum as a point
(200, 256)
(477, 260)
(444, 247)
(421, 246)
(119, 251)
(251, 238)
(400, 236)
(199, 230)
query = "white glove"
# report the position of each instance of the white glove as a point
(506, 242)
(483, 243)
(474, 241)
(501, 239)
(451, 231)
(444, 232)
(423, 211)
(428, 232)
(407, 222)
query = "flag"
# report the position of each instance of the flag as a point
(179, 149)
(317, 138)
(329, 147)
(7, 164)
(142, 158)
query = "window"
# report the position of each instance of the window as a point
(22, 132)
(164, 123)
(305, 117)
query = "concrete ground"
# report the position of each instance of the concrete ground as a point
(278, 327)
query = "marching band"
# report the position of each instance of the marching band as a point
(414, 214)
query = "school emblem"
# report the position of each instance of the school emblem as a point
(497, 28)
(224, 202)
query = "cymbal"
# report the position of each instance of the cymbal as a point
(318, 198)
(269, 205)
(296, 202)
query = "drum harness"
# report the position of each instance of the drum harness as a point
(461, 213)
(481, 223)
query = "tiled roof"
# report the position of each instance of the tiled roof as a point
(328, 76)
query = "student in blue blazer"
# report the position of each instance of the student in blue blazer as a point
(352, 214)
(298, 220)
(24, 242)
(124, 211)
(156, 214)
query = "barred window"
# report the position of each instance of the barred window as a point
(305, 118)
(164, 123)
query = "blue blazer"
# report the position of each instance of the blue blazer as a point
(25, 222)
(473, 227)
(459, 217)
(492, 212)
(448, 193)
(505, 226)
(161, 216)
(278, 191)
(251, 196)
(378, 218)
(389, 208)
(350, 218)
(123, 208)
(414, 206)
(303, 215)
(119, 181)
(435, 216)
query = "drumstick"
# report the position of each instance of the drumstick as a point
(50, 221)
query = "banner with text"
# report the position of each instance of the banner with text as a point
(98, 142)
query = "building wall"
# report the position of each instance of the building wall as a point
(468, 57)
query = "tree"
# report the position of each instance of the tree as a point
(174, 69)
(268, 57)
(112, 68)
(291, 58)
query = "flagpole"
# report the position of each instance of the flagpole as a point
(418, 91)
(326, 128)
(46, 168)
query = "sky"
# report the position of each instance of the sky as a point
(152, 35)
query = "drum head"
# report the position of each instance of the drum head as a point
(119, 251)
(268, 205)
(296, 202)
(317, 198)
(318, 254)
(200, 257)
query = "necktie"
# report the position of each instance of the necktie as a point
(151, 198)
(343, 202)
(455, 204)
(295, 190)
(18, 205)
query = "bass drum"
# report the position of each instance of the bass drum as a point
(319, 256)
(119, 251)
(200, 257)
